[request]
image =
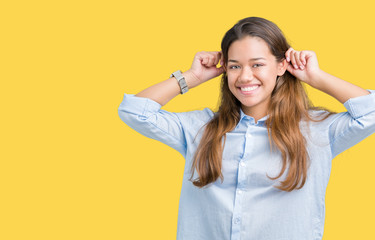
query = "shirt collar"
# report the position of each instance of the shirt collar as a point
(244, 117)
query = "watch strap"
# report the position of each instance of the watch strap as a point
(181, 81)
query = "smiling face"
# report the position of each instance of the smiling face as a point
(252, 71)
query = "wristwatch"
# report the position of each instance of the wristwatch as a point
(181, 81)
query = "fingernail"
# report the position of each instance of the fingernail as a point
(287, 58)
(301, 67)
(295, 66)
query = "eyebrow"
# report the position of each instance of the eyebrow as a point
(251, 59)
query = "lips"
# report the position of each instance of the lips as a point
(248, 85)
(249, 89)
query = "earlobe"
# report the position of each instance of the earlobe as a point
(282, 67)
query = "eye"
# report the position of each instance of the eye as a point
(231, 67)
(255, 66)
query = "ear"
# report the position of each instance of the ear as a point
(223, 64)
(281, 67)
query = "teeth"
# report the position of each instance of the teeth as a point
(246, 89)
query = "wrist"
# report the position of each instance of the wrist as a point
(318, 79)
(191, 79)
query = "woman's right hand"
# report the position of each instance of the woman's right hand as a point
(204, 67)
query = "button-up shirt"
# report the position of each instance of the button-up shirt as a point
(246, 205)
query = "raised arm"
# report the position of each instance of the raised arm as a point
(202, 70)
(344, 129)
(304, 65)
(142, 112)
(163, 92)
(338, 88)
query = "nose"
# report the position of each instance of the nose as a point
(246, 75)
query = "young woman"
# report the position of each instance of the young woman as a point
(258, 167)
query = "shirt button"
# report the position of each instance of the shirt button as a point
(239, 191)
(242, 164)
(248, 135)
(237, 220)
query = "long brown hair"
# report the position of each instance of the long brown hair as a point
(287, 99)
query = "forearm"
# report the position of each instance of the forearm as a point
(163, 92)
(337, 88)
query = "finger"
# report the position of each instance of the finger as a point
(303, 57)
(291, 69)
(293, 60)
(287, 54)
(216, 58)
(298, 60)
(205, 60)
(211, 60)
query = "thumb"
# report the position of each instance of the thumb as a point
(290, 68)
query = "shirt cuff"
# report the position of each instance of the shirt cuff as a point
(362, 105)
(139, 105)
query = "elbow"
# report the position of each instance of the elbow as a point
(125, 116)
(131, 119)
(366, 121)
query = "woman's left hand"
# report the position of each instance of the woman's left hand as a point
(303, 65)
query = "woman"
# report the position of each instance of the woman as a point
(258, 167)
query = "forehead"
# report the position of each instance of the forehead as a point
(249, 47)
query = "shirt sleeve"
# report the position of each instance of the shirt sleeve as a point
(349, 128)
(145, 116)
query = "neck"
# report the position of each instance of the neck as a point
(255, 114)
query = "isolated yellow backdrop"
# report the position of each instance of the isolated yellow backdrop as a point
(71, 169)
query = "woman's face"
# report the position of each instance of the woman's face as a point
(252, 71)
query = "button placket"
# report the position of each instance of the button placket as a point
(248, 140)
(239, 194)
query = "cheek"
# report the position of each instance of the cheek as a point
(265, 73)
(231, 80)
(268, 77)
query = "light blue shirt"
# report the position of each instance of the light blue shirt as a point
(246, 205)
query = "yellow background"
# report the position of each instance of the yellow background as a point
(71, 169)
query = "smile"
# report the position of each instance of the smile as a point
(249, 90)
